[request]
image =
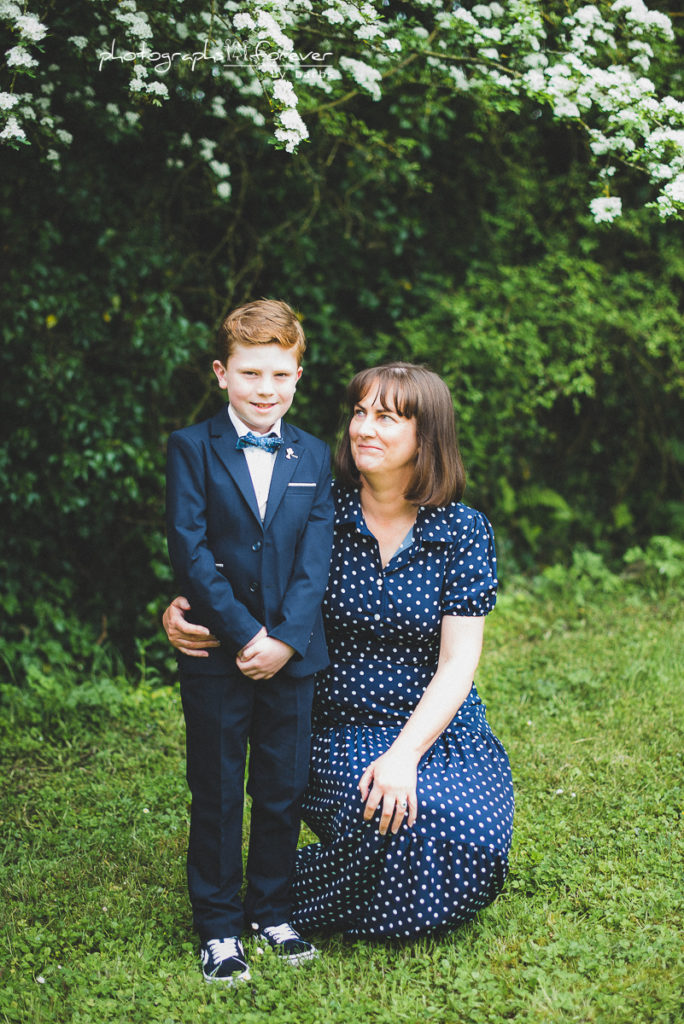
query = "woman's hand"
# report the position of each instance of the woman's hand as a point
(188, 637)
(391, 781)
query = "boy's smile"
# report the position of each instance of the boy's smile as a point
(260, 381)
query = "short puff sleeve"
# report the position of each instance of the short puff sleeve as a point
(470, 581)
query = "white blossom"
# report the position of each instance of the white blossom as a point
(351, 13)
(134, 21)
(12, 130)
(534, 81)
(332, 15)
(253, 114)
(291, 120)
(243, 20)
(221, 170)
(157, 89)
(206, 148)
(30, 28)
(252, 87)
(661, 172)
(218, 106)
(224, 190)
(674, 190)
(605, 209)
(19, 57)
(637, 11)
(460, 79)
(284, 93)
(364, 75)
(599, 144)
(461, 14)
(563, 107)
(268, 66)
(290, 139)
(316, 78)
(368, 32)
(291, 130)
(270, 29)
(672, 106)
(594, 65)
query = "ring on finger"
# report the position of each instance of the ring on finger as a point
(403, 804)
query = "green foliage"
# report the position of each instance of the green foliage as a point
(585, 689)
(659, 566)
(446, 229)
(59, 678)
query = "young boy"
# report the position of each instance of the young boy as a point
(249, 518)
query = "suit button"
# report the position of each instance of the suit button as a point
(256, 546)
(253, 587)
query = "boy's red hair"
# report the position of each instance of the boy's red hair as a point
(263, 322)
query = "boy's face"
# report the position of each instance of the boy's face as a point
(260, 381)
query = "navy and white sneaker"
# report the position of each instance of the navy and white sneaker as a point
(285, 943)
(224, 960)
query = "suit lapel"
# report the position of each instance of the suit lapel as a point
(285, 465)
(223, 441)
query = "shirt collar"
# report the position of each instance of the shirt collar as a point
(243, 429)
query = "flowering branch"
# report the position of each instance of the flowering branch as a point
(589, 67)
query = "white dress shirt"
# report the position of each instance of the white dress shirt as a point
(259, 462)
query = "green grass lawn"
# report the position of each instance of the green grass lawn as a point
(586, 691)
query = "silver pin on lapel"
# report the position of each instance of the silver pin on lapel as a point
(289, 454)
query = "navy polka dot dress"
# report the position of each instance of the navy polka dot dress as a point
(383, 627)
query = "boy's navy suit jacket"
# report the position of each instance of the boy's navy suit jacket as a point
(238, 573)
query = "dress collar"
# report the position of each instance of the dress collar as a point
(432, 522)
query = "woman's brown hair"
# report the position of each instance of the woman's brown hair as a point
(415, 393)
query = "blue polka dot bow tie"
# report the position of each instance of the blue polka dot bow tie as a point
(267, 444)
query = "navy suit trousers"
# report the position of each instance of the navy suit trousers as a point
(224, 714)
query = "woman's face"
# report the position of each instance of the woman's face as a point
(381, 440)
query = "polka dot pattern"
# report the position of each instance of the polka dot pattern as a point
(382, 626)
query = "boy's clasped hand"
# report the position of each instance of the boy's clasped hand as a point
(263, 656)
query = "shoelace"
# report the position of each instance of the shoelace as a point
(281, 933)
(223, 949)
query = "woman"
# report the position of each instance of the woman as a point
(410, 792)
